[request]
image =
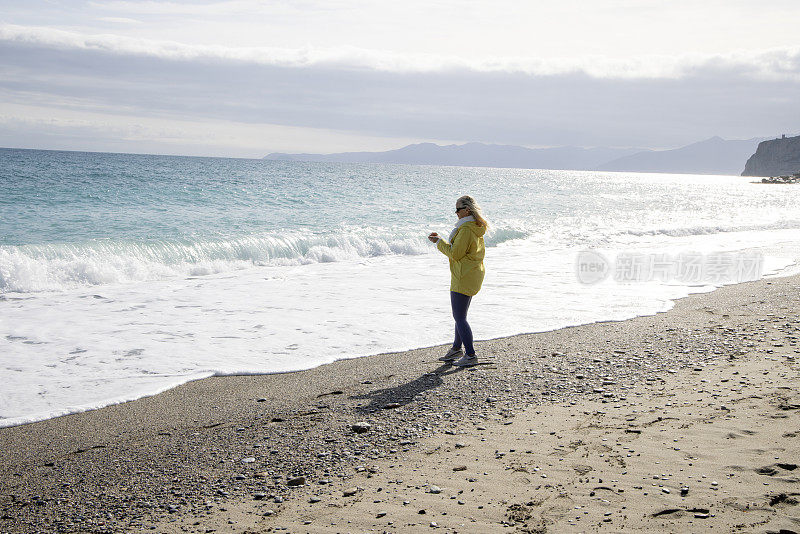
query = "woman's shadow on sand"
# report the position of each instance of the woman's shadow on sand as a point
(397, 396)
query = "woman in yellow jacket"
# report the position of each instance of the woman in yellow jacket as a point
(465, 250)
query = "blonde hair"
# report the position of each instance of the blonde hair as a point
(474, 209)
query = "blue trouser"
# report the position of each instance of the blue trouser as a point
(460, 304)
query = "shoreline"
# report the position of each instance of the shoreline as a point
(186, 453)
(100, 405)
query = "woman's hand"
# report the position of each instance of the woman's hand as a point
(434, 237)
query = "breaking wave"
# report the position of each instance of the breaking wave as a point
(48, 267)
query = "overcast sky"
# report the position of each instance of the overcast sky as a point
(247, 77)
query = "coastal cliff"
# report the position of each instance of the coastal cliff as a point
(774, 157)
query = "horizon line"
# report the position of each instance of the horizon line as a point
(257, 158)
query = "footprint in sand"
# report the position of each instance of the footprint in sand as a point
(779, 471)
(784, 499)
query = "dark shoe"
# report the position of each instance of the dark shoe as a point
(467, 361)
(451, 355)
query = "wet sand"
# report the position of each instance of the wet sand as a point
(686, 421)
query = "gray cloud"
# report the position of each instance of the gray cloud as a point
(777, 63)
(714, 97)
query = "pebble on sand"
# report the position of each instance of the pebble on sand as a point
(361, 427)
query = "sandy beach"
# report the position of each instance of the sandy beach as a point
(686, 421)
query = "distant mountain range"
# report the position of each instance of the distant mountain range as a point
(476, 155)
(712, 156)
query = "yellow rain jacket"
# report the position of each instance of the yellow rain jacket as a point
(466, 254)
